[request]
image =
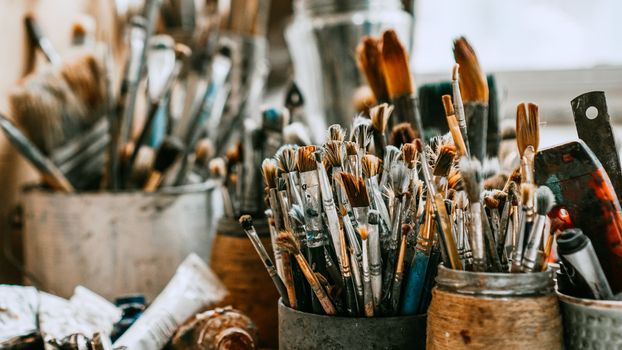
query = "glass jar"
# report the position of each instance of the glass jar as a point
(322, 41)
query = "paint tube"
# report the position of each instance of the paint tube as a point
(18, 314)
(193, 287)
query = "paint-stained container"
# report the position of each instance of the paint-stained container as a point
(305, 331)
(472, 310)
(591, 324)
(114, 243)
(251, 290)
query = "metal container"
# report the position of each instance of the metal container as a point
(591, 324)
(114, 243)
(472, 310)
(251, 289)
(322, 40)
(301, 330)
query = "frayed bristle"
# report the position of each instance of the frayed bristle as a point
(473, 83)
(286, 158)
(395, 66)
(409, 154)
(286, 241)
(545, 200)
(343, 211)
(369, 58)
(490, 167)
(204, 150)
(351, 148)
(361, 132)
(234, 154)
(371, 165)
(527, 127)
(363, 99)
(170, 150)
(444, 160)
(305, 160)
(526, 194)
(491, 202)
(334, 153)
(246, 221)
(496, 182)
(380, 117)
(399, 178)
(470, 169)
(402, 133)
(454, 180)
(460, 200)
(269, 172)
(355, 189)
(336, 133)
(218, 167)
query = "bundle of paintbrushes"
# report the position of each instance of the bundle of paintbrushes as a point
(81, 135)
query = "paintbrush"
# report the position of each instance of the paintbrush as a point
(396, 288)
(296, 133)
(375, 262)
(520, 238)
(532, 258)
(371, 169)
(218, 169)
(170, 150)
(458, 105)
(368, 299)
(460, 204)
(346, 272)
(454, 126)
(286, 161)
(369, 59)
(362, 135)
(247, 224)
(283, 258)
(336, 133)
(49, 172)
(141, 168)
(391, 154)
(402, 133)
(287, 241)
(471, 176)
(38, 38)
(528, 138)
(356, 253)
(400, 85)
(474, 91)
(352, 160)
(379, 118)
(328, 204)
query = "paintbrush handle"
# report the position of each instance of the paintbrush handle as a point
(368, 298)
(414, 283)
(531, 257)
(36, 35)
(443, 221)
(518, 248)
(328, 204)
(477, 238)
(154, 180)
(460, 114)
(316, 286)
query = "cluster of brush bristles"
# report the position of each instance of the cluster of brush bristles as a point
(359, 229)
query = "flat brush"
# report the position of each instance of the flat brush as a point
(286, 160)
(247, 224)
(49, 172)
(170, 150)
(399, 82)
(471, 175)
(369, 59)
(287, 241)
(474, 90)
(371, 169)
(38, 37)
(379, 118)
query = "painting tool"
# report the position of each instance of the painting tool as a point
(38, 37)
(369, 58)
(247, 224)
(471, 175)
(532, 258)
(399, 81)
(170, 150)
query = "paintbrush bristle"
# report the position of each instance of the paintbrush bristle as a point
(409, 154)
(395, 66)
(460, 200)
(247, 222)
(336, 133)
(305, 160)
(363, 232)
(286, 158)
(369, 58)
(335, 152)
(355, 189)
(234, 153)
(351, 148)
(361, 132)
(473, 83)
(496, 182)
(218, 167)
(371, 165)
(454, 180)
(86, 78)
(399, 178)
(363, 99)
(444, 160)
(490, 201)
(269, 172)
(296, 133)
(526, 193)
(380, 117)
(288, 242)
(527, 127)
(297, 215)
(545, 200)
(471, 171)
(402, 133)
(391, 153)
(170, 149)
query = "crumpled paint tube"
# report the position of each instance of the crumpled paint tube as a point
(193, 287)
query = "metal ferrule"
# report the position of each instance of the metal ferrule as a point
(311, 199)
(375, 264)
(329, 208)
(353, 164)
(376, 198)
(292, 190)
(477, 238)
(531, 256)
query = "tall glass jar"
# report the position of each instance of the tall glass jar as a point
(322, 40)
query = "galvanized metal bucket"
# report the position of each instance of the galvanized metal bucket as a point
(301, 330)
(115, 243)
(591, 324)
(472, 310)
